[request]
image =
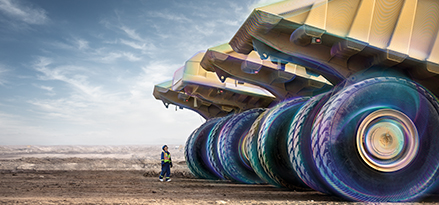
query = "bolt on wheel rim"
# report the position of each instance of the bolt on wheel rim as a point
(387, 140)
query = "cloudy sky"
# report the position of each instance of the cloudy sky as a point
(83, 72)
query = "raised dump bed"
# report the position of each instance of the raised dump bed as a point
(207, 110)
(282, 80)
(342, 38)
(193, 84)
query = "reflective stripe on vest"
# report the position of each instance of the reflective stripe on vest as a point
(166, 157)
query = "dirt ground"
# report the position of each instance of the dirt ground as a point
(132, 187)
(138, 187)
(121, 175)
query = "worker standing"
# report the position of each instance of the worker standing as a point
(166, 164)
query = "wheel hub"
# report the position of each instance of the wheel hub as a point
(387, 140)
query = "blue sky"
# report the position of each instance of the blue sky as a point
(83, 72)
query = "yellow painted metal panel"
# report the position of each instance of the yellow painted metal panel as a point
(385, 15)
(341, 13)
(298, 16)
(317, 15)
(402, 35)
(425, 29)
(286, 7)
(434, 54)
(223, 48)
(193, 73)
(361, 26)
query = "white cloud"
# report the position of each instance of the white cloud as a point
(237, 8)
(156, 72)
(131, 38)
(69, 109)
(61, 45)
(111, 41)
(23, 13)
(131, 33)
(80, 47)
(170, 16)
(112, 56)
(133, 44)
(67, 74)
(261, 3)
(131, 57)
(229, 22)
(144, 47)
(71, 44)
(109, 116)
(82, 44)
(49, 89)
(102, 54)
(46, 88)
(3, 70)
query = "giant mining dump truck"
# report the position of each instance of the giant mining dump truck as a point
(339, 96)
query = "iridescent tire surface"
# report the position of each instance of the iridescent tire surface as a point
(213, 160)
(231, 147)
(189, 157)
(377, 140)
(196, 152)
(252, 151)
(272, 144)
(299, 143)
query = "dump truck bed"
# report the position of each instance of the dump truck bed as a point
(353, 36)
(282, 80)
(207, 94)
(207, 110)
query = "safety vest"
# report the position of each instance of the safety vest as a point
(166, 157)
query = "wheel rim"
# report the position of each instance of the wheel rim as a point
(387, 140)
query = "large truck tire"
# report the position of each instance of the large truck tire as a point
(377, 140)
(213, 159)
(299, 143)
(196, 151)
(272, 144)
(231, 147)
(189, 156)
(252, 151)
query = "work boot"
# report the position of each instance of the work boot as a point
(161, 180)
(168, 180)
